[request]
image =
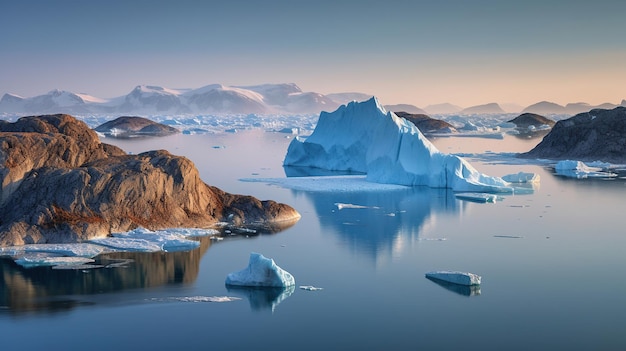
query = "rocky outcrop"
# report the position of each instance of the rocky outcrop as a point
(128, 127)
(60, 184)
(590, 136)
(531, 120)
(426, 124)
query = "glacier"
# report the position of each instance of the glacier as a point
(364, 137)
(261, 272)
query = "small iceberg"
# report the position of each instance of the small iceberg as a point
(478, 197)
(522, 177)
(455, 277)
(310, 288)
(580, 170)
(261, 272)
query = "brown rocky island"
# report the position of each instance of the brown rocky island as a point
(59, 184)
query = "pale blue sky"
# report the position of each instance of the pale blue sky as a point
(419, 52)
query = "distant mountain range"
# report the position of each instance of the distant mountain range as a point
(285, 98)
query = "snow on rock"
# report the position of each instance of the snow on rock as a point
(461, 278)
(261, 272)
(578, 169)
(364, 137)
(522, 177)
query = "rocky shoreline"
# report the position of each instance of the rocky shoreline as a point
(59, 183)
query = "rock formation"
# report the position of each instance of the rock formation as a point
(526, 120)
(589, 136)
(60, 184)
(426, 124)
(128, 127)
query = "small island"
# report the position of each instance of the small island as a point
(60, 184)
(131, 127)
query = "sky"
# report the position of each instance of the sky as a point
(415, 51)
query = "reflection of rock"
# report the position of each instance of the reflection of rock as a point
(464, 290)
(60, 184)
(389, 217)
(590, 136)
(126, 127)
(262, 298)
(42, 289)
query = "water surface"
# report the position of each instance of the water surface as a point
(552, 267)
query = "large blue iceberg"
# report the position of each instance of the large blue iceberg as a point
(364, 137)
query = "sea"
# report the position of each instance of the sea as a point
(552, 262)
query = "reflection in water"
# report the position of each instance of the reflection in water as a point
(381, 220)
(43, 289)
(262, 298)
(464, 290)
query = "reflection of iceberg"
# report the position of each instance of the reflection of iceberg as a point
(465, 290)
(263, 298)
(364, 137)
(389, 219)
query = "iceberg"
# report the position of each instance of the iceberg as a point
(261, 272)
(522, 177)
(42, 259)
(455, 277)
(364, 137)
(578, 169)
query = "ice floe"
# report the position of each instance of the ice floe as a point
(144, 240)
(310, 288)
(522, 177)
(197, 299)
(455, 277)
(261, 272)
(478, 197)
(580, 170)
(43, 259)
(138, 240)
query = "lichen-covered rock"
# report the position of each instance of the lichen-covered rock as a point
(58, 192)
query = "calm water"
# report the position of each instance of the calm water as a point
(552, 265)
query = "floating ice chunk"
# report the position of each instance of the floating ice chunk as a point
(578, 169)
(310, 288)
(478, 197)
(455, 277)
(341, 206)
(522, 177)
(144, 240)
(261, 272)
(206, 298)
(76, 249)
(46, 259)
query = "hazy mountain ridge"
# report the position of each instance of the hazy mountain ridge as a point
(285, 98)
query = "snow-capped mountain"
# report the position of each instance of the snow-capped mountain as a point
(151, 99)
